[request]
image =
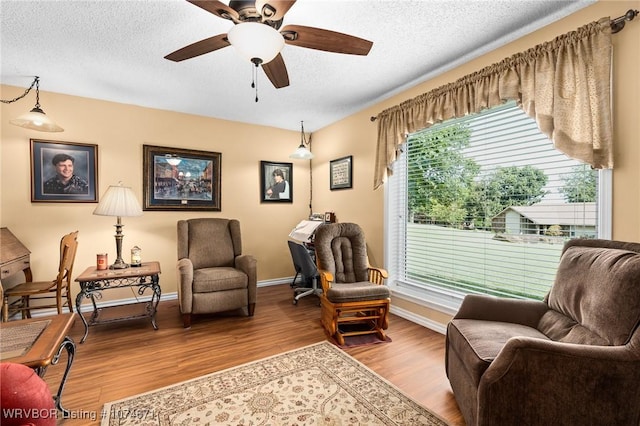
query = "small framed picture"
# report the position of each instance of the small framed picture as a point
(63, 172)
(181, 179)
(341, 173)
(276, 182)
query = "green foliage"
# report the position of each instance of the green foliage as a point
(439, 174)
(580, 185)
(443, 185)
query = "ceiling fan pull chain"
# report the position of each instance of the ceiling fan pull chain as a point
(254, 82)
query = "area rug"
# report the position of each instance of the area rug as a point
(314, 385)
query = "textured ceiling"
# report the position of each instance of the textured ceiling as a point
(114, 50)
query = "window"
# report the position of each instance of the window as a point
(484, 204)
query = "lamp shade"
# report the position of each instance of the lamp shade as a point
(302, 153)
(118, 201)
(36, 120)
(254, 40)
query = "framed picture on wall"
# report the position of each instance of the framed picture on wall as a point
(180, 179)
(276, 182)
(63, 172)
(341, 173)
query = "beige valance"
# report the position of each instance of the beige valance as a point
(563, 84)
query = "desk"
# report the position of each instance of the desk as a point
(14, 258)
(93, 282)
(38, 343)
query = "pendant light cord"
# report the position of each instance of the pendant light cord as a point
(36, 82)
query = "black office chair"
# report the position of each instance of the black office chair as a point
(304, 266)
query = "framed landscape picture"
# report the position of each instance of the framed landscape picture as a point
(276, 182)
(63, 172)
(341, 173)
(181, 179)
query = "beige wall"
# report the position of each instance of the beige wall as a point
(265, 226)
(360, 133)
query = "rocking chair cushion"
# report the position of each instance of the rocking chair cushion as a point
(356, 292)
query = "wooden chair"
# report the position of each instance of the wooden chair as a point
(354, 299)
(58, 289)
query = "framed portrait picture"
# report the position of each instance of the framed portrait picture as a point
(276, 182)
(341, 173)
(181, 179)
(63, 172)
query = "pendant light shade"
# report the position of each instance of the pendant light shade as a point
(302, 153)
(35, 119)
(255, 41)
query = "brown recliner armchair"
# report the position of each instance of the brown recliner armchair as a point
(571, 359)
(213, 274)
(354, 299)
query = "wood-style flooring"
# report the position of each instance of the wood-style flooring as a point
(126, 358)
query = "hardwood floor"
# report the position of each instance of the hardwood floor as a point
(127, 358)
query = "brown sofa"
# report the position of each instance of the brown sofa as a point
(213, 274)
(571, 359)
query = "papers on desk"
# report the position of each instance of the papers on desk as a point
(304, 230)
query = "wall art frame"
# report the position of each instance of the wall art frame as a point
(341, 173)
(63, 172)
(181, 179)
(276, 182)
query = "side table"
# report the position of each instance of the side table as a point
(38, 343)
(93, 282)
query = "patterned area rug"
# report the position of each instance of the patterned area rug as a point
(314, 385)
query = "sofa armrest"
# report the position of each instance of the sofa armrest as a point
(554, 382)
(490, 308)
(249, 265)
(185, 283)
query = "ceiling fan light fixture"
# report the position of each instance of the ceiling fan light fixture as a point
(255, 40)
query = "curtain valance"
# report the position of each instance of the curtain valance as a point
(563, 84)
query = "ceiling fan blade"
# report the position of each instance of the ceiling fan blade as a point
(276, 71)
(217, 8)
(273, 10)
(199, 48)
(329, 41)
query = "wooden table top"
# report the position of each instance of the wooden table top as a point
(92, 274)
(47, 343)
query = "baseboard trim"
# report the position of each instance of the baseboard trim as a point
(418, 319)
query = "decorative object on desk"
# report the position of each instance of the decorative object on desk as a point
(102, 261)
(302, 153)
(341, 173)
(329, 217)
(276, 182)
(118, 201)
(181, 179)
(63, 172)
(281, 389)
(136, 256)
(35, 119)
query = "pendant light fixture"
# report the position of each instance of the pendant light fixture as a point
(35, 119)
(302, 153)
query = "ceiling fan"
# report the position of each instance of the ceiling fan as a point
(258, 36)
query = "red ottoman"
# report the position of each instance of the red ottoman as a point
(24, 397)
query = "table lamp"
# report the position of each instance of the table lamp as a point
(118, 201)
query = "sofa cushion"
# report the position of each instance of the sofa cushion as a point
(218, 279)
(593, 286)
(478, 342)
